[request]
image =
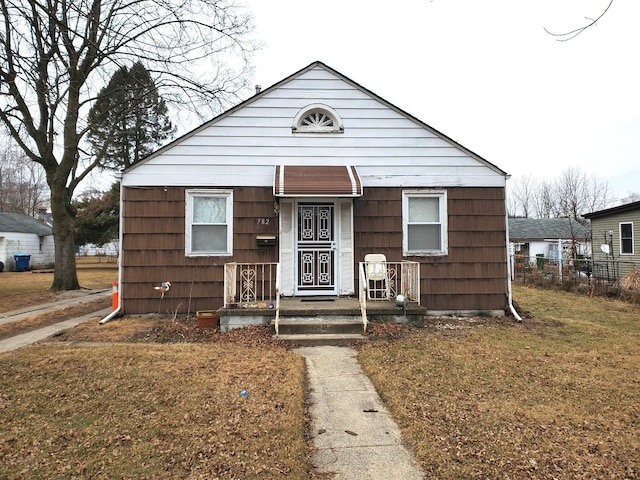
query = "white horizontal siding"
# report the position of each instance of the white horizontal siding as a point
(299, 151)
(241, 148)
(310, 141)
(226, 175)
(12, 243)
(293, 157)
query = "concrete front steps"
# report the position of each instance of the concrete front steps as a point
(336, 330)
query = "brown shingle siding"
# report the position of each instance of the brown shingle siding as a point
(465, 271)
(477, 207)
(155, 224)
(485, 193)
(471, 277)
(460, 302)
(466, 238)
(144, 241)
(464, 223)
(154, 243)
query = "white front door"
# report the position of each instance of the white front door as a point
(316, 247)
(329, 269)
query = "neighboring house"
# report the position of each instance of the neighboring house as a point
(549, 237)
(110, 249)
(616, 235)
(313, 173)
(24, 235)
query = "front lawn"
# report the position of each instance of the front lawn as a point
(152, 411)
(557, 396)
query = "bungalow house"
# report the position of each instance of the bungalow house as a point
(616, 235)
(304, 179)
(26, 237)
(551, 238)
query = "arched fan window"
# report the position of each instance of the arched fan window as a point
(317, 118)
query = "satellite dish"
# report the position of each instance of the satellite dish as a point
(605, 248)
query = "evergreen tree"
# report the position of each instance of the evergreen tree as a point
(97, 217)
(129, 119)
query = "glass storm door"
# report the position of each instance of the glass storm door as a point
(316, 249)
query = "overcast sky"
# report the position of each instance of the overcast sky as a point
(484, 73)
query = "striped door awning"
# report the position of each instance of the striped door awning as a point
(316, 181)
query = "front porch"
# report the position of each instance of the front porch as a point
(252, 297)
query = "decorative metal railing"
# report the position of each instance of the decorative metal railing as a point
(248, 285)
(401, 278)
(257, 285)
(362, 295)
(277, 317)
(398, 278)
(253, 285)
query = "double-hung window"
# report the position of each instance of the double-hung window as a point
(626, 238)
(424, 222)
(209, 222)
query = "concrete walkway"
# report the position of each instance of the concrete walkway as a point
(73, 297)
(353, 435)
(76, 297)
(24, 339)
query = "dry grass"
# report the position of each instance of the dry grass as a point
(24, 289)
(114, 410)
(39, 320)
(162, 411)
(555, 397)
(632, 280)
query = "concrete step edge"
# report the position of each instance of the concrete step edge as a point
(332, 336)
(319, 320)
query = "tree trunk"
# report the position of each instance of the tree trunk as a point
(64, 276)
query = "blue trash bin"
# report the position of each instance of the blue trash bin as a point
(22, 262)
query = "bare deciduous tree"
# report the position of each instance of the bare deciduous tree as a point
(570, 195)
(22, 184)
(630, 198)
(577, 193)
(543, 200)
(521, 195)
(563, 37)
(55, 56)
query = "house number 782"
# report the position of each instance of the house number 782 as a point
(263, 221)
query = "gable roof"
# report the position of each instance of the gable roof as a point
(17, 223)
(315, 65)
(523, 229)
(627, 207)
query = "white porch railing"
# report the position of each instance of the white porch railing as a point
(400, 278)
(250, 284)
(403, 279)
(247, 285)
(362, 295)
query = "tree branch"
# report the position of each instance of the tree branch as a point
(563, 37)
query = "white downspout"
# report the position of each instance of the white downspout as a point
(509, 293)
(116, 312)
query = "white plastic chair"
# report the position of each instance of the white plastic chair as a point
(377, 277)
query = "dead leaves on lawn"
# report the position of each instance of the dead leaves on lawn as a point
(553, 397)
(163, 411)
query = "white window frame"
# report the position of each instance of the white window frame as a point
(190, 195)
(444, 242)
(632, 239)
(299, 127)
